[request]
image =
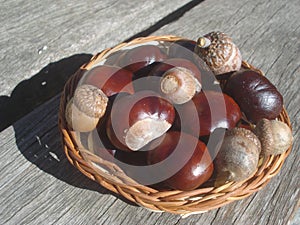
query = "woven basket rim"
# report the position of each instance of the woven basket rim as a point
(173, 201)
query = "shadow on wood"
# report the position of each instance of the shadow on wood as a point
(37, 134)
(31, 93)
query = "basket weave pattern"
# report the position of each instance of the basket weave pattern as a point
(173, 201)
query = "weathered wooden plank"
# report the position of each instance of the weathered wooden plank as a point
(36, 188)
(33, 34)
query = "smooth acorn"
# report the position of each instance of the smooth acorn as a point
(257, 97)
(238, 155)
(275, 136)
(211, 110)
(195, 171)
(136, 120)
(219, 52)
(87, 106)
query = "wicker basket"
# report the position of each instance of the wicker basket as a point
(173, 201)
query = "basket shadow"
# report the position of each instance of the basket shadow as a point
(37, 135)
(30, 93)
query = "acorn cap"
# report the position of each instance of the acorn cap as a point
(219, 52)
(90, 100)
(85, 108)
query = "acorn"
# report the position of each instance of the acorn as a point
(85, 108)
(275, 136)
(219, 52)
(238, 155)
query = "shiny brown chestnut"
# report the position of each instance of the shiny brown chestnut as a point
(213, 110)
(141, 56)
(114, 58)
(168, 64)
(136, 158)
(136, 120)
(110, 79)
(195, 171)
(182, 49)
(257, 97)
(95, 145)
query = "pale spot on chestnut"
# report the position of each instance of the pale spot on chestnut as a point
(138, 119)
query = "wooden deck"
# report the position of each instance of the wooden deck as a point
(44, 42)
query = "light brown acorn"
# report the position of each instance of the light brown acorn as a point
(275, 136)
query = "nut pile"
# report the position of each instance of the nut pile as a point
(151, 103)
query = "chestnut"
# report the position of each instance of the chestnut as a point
(257, 97)
(219, 52)
(141, 56)
(182, 49)
(114, 58)
(136, 158)
(110, 79)
(168, 64)
(95, 145)
(137, 119)
(213, 110)
(85, 108)
(197, 169)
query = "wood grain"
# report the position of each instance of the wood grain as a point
(39, 186)
(37, 33)
(38, 37)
